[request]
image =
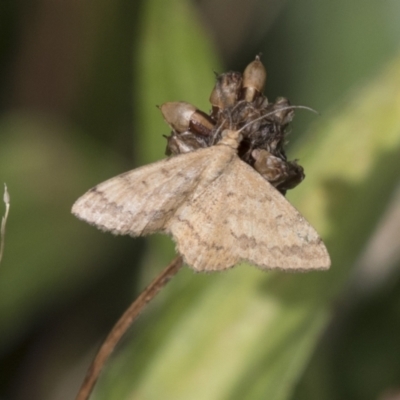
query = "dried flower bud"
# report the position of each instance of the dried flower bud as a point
(201, 123)
(284, 116)
(270, 167)
(226, 91)
(254, 78)
(280, 173)
(182, 117)
(177, 114)
(295, 174)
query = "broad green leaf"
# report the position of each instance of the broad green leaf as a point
(173, 57)
(245, 333)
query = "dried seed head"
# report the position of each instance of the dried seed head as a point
(254, 78)
(239, 104)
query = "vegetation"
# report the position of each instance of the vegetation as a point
(78, 106)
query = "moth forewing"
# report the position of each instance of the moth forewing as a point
(142, 201)
(241, 217)
(138, 202)
(218, 209)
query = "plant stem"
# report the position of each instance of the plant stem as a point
(6, 199)
(123, 325)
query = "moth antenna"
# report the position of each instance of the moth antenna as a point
(219, 129)
(230, 121)
(278, 110)
(236, 106)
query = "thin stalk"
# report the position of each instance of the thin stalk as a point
(123, 325)
(6, 199)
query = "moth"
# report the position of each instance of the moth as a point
(221, 193)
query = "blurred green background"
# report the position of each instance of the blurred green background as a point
(79, 82)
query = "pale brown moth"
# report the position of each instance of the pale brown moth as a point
(221, 195)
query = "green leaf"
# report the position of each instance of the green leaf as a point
(245, 333)
(44, 172)
(173, 57)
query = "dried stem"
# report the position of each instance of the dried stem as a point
(123, 325)
(6, 199)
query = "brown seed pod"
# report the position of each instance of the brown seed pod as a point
(295, 174)
(191, 127)
(254, 78)
(280, 173)
(284, 116)
(271, 168)
(182, 117)
(177, 114)
(226, 92)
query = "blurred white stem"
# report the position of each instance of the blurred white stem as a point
(6, 199)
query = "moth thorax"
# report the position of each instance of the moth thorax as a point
(231, 138)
